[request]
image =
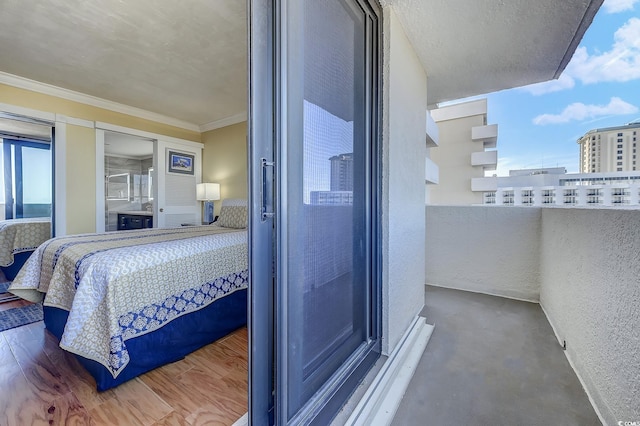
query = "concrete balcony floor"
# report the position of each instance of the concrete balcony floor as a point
(492, 361)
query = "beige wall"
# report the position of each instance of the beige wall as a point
(81, 141)
(453, 157)
(38, 101)
(224, 160)
(81, 180)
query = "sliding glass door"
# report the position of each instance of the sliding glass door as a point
(315, 215)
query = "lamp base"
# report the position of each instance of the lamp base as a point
(207, 216)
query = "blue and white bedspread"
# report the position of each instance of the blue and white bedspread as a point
(121, 285)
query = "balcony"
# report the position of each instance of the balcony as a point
(433, 134)
(431, 172)
(488, 135)
(488, 160)
(538, 322)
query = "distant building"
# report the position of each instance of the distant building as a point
(331, 197)
(611, 149)
(555, 187)
(462, 153)
(342, 172)
(341, 183)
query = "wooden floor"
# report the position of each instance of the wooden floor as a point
(41, 384)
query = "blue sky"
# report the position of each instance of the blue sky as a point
(538, 125)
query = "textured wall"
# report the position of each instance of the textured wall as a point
(404, 152)
(590, 290)
(491, 250)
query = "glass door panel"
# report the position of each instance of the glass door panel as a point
(314, 323)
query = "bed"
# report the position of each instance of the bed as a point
(130, 301)
(18, 239)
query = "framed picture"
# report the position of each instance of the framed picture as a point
(181, 163)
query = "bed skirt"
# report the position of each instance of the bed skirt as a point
(170, 343)
(19, 260)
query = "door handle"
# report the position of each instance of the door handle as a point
(265, 213)
(161, 210)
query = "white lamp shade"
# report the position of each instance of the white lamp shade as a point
(208, 191)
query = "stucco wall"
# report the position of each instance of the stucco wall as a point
(404, 151)
(493, 250)
(590, 290)
(224, 160)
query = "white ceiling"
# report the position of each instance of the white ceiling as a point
(182, 59)
(122, 145)
(187, 59)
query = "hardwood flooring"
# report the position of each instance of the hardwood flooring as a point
(43, 385)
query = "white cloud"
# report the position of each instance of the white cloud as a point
(616, 6)
(621, 63)
(562, 83)
(579, 111)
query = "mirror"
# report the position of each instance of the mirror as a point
(118, 186)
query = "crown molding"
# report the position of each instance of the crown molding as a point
(47, 89)
(234, 119)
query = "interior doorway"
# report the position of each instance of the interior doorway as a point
(128, 180)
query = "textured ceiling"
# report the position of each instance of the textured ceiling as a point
(472, 47)
(187, 59)
(183, 59)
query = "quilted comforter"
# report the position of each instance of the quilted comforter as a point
(120, 285)
(22, 235)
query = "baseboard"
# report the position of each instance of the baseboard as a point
(379, 404)
(592, 400)
(520, 299)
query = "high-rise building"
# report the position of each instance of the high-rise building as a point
(342, 172)
(610, 149)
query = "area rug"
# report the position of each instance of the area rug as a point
(4, 296)
(16, 317)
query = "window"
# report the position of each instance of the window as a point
(619, 169)
(619, 151)
(619, 134)
(619, 140)
(619, 146)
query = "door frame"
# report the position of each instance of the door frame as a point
(100, 128)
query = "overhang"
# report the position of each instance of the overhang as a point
(471, 48)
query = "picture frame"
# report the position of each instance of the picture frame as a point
(180, 163)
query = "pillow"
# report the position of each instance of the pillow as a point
(233, 214)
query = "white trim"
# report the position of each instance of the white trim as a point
(47, 89)
(60, 178)
(148, 135)
(75, 121)
(234, 119)
(575, 370)
(100, 178)
(379, 404)
(28, 112)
